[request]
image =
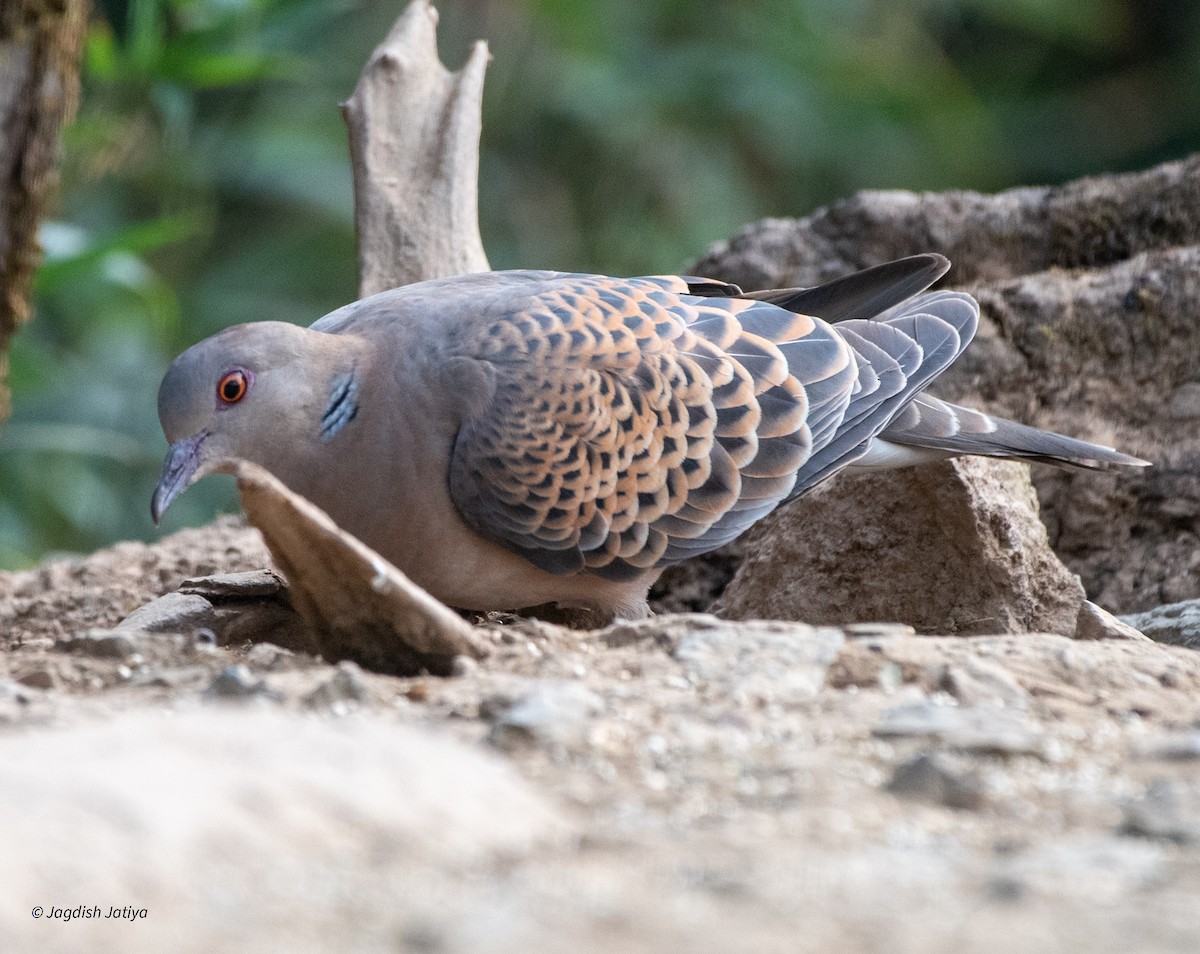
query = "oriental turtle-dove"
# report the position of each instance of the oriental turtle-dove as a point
(515, 438)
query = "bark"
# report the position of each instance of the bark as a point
(360, 606)
(40, 45)
(414, 144)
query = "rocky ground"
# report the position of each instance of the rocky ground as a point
(684, 783)
(1023, 774)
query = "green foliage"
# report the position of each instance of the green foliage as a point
(206, 180)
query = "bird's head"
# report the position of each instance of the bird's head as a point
(257, 392)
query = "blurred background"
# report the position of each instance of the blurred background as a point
(206, 180)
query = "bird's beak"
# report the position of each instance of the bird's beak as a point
(179, 470)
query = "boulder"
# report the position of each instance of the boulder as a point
(1175, 623)
(1089, 292)
(951, 548)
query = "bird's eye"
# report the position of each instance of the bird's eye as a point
(232, 387)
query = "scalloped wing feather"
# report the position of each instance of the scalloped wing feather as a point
(633, 423)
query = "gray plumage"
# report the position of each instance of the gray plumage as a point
(515, 438)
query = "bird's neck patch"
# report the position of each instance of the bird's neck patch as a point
(342, 407)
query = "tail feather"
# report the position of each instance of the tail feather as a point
(939, 426)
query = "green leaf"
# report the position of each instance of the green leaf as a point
(64, 260)
(101, 57)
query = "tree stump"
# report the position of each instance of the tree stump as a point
(40, 46)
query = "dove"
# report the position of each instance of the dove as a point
(510, 439)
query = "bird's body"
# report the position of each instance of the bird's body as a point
(516, 438)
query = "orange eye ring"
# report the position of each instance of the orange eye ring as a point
(232, 387)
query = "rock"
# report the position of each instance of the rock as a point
(977, 682)
(1089, 293)
(548, 713)
(984, 730)
(102, 643)
(766, 662)
(1176, 623)
(236, 682)
(346, 685)
(38, 677)
(1166, 811)
(229, 587)
(1097, 623)
(952, 548)
(172, 613)
(250, 606)
(463, 667)
(1172, 747)
(929, 776)
(865, 630)
(267, 657)
(252, 830)
(1083, 224)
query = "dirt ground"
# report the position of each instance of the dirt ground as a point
(684, 783)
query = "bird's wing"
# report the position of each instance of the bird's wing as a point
(866, 294)
(907, 348)
(628, 424)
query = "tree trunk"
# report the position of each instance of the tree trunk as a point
(40, 44)
(414, 145)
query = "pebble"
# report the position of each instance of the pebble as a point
(978, 682)
(345, 685)
(237, 682)
(985, 730)
(417, 692)
(1167, 811)
(41, 677)
(929, 776)
(784, 663)
(548, 712)
(866, 630)
(270, 658)
(1094, 622)
(1173, 747)
(102, 643)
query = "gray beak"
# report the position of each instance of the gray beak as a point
(179, 469)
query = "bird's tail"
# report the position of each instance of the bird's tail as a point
(913, 339)
(942, 429)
